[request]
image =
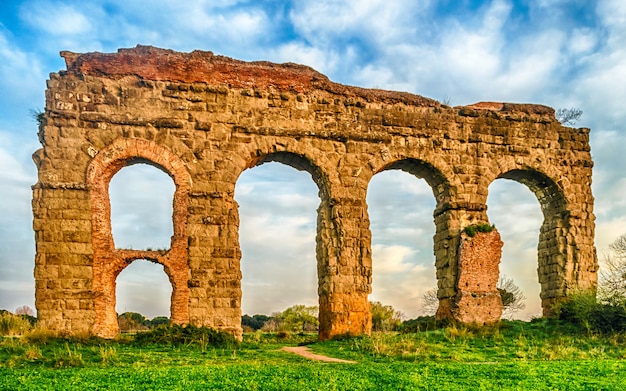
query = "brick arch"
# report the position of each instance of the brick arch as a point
(109, 261)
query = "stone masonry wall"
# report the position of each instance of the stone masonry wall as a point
(204, 119)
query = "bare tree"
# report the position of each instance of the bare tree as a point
(24, 310)
(513, 300)
(613, 273)
(568, 116)
(430, 302)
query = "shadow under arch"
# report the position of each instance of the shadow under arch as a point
(554, 252)
(301, 162)
(424, 170)
(109, 261)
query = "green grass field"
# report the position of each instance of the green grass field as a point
(516, 355)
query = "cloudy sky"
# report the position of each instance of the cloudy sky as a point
(562, 53)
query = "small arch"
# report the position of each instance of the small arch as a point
(141, 198)
(143, 287)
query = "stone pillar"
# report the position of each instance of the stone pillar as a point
(344, 268)
(214, 258)
(63, 272)
(445, 249)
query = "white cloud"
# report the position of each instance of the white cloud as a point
(55, 18)
(321, 60)
(399, 278)
(141, 207)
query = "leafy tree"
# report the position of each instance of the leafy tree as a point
(384, 317)
(131, 321)
(157, 321)
(297, 318)
(255, 322)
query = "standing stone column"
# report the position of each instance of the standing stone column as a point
(63, 273)
(344, 267)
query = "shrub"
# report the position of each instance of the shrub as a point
(471, 230)
(584, 310)
(184, 335)
(12, 325)
(423, 323)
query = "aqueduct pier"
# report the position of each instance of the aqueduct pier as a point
(204, 119)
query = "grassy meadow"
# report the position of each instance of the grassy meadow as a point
(540, 355)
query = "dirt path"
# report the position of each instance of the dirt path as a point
(307, 353)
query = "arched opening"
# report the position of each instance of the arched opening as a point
(400, 208)
(535, 250)
(141, 208)
(141, 197)
(144, 288)
(277, 234)
(515, 212)
(108, 259)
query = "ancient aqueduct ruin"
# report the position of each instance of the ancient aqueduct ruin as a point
(204, 119)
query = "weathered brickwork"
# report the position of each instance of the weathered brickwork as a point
(204, 119)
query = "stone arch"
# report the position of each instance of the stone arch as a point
(434, 176)
(326, 229)
(555, 242)
(445, 242)
(109, 261)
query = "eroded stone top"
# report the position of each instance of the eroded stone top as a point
(153, 63)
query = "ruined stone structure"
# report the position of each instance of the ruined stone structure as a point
(204, 119)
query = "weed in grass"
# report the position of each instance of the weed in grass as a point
(32, 352)
(67, 357)
(39, 336)
(107, 354)
(455, 332)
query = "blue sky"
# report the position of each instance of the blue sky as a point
(562, 53)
